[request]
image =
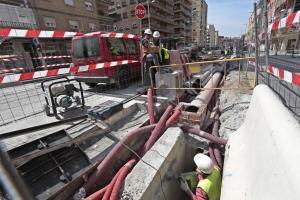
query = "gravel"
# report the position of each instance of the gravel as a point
(234, 103)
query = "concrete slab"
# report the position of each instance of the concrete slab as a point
(262, 157)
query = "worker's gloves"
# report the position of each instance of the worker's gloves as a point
(183, 185)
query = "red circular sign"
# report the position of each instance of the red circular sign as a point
(140, 11)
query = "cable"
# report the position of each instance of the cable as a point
(140, 158)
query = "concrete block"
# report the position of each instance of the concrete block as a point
(263, 156)
(155, 176)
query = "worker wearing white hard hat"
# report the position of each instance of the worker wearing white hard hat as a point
(209, 180)
(156, 38)
(146, 56)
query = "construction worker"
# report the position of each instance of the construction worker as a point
(163, 53)
(146, 56)
(209, 176)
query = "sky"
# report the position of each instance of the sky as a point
(229, 16)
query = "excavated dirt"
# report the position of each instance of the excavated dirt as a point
(234, 103)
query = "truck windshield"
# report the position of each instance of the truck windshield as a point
(86, 47)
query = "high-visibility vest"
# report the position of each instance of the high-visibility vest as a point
(211, 185)
(166, 54)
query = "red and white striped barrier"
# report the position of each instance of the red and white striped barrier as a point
(51, 57)
(54, 65)
(290, 77)
(286, 22)
(11, 70)
(61, 71)
(27, 33)
(112, 34)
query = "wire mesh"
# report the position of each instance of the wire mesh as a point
(287, 92)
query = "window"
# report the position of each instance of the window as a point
(118, 5)
(131, 46)
(124, 4)
(69, 2)
(116, 46)
(74, 25)
(88, 5)
(49, 22)
(132, 13)
(132, 2)
(92, 26)
(23, 18)
(86, 47)
(134, 25)
(125, 16)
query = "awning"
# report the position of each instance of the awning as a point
(286, 22)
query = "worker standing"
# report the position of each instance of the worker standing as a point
(209, 176)
(146, 58)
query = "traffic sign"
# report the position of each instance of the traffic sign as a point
(140, 11)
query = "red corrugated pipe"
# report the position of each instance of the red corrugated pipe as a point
(210, 137)
(106, 164)
(110, 187)
(150, 106)
(212, 155)
(121, 177)
(174, 117)
(216, 149)
(157, 130)
(97, 195)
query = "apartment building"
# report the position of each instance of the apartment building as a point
(216, 38)
(199, 22)
(70, 15)
(16, 16)
(183, 21)
(210, 36)
(160, 18)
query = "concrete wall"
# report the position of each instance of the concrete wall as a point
(171, 155)
(262, 157)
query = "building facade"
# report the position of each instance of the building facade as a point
(216, 38)
(183, 21)
(70, 15)
(15, 16)
(199, 23)
(210, 37)
(160, 19)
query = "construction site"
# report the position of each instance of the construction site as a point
(105, 116)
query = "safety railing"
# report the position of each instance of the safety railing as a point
(205, 70)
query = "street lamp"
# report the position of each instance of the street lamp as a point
(148, 8)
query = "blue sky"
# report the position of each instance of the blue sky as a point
(229, 16)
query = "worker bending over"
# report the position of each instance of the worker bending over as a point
(209, 176)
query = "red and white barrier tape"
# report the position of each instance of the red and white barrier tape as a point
(27, 33)
(11, 70)
(290, 77)
(112, 34)
(51, 57)
(61, 71)
(54, 65)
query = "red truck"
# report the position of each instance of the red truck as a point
(115, 55)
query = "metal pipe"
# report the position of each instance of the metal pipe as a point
(10, 179)
(204, 135)
(266, 32)
(205, 96)
(150, 106)
(108, 161)
(124, 172)
(157, 130)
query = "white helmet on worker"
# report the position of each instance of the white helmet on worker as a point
(156, 34)
(148, 32)
(204, 163)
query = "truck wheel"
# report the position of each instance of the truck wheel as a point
(123, 78)
(91, 85)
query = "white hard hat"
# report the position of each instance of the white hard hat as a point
(148, 31)
(204, 163)
(156, 34)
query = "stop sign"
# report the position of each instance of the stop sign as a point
(140, 11)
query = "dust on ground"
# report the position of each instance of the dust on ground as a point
(234, 103)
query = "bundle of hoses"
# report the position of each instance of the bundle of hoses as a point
(111, 191)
